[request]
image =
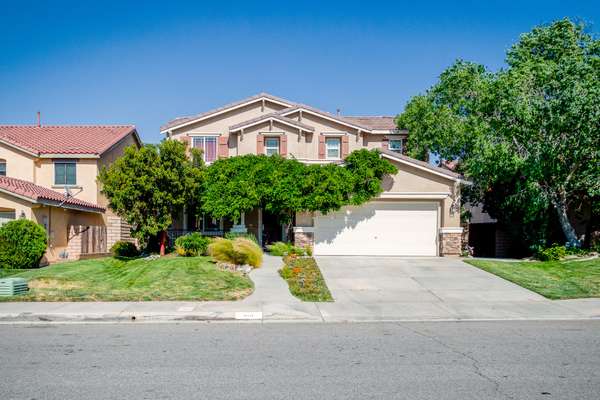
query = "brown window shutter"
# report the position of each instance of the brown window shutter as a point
(321, 147)
(260, 144)
(283, 145)
(223, 146)
(345, 146)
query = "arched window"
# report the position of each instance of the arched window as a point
(2, 167)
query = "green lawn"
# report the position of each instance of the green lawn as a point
(552, 279)
(110, 279)
(304, 279)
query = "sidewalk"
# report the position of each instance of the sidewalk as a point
(272, 302)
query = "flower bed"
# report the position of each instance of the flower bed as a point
(304, 279)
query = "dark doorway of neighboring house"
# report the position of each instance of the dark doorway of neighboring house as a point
(271, 231)
(482, 238)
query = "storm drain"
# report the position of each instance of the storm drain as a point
(13, 286)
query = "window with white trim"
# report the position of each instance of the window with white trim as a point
(395, 145)
(271, 145)
(2, 167)
(333, 147)
(208, 145)
(65, 173)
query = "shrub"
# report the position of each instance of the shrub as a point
(191, 245)
(238, 251)
(552, 253)
(22, 244)
(283, 249)
(235, 235)
(124, 249)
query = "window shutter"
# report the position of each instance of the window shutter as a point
(260, 144)
(345, 146)
(223, 147)
(321, 147)
(283, 145)
(385, 143)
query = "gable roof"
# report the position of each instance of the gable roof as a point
(423, 165)
(324, 114)
(270, 117)
(41, 195)
(46, 140)
(182, 121)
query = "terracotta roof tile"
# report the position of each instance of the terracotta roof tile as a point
(64, 139)
(40, 194)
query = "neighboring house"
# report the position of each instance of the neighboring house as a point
(417, 215)
(49, 174)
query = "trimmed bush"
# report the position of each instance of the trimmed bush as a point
(22, 244)
(239, 251)
(124, 249)
(191, 245)
(553, 253)
(283, 249)
(235, 235)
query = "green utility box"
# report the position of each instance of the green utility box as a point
(13, 286)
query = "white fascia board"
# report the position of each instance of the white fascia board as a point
(415, 195)
(417, 166)
(222, 112)
(261, 121)
(304, 110)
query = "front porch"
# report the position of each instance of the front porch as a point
(265, 226)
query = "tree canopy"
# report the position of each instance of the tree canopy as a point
(148, 187)
(527, 135)
(285, 186)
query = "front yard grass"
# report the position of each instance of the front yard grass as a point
(568, 279)
(111, 279)
(304, 279)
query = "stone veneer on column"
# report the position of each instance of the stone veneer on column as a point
(450, 241)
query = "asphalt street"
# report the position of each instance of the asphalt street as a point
(437, 360)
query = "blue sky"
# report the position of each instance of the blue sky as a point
(145, 63)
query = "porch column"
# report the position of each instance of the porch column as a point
(185, 218)
(260, 227)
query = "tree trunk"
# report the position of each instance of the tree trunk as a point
(565, 224)
(163, 242)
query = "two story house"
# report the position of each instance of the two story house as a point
(416, 215)
(48, 174)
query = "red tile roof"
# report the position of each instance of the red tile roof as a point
(40, 194)
(63, 139)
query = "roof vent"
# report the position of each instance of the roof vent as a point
(13, 286)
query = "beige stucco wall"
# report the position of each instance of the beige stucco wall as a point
(413, 181)
(11, 203)
(304, 146)
(18, 164)
(58, 221)
(87, 171)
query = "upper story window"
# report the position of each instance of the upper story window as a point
(333, 147)
(2, 167)
(208, 145)
(65, 173)
(271, 146)
(396, 145)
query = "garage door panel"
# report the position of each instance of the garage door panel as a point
(378, 228)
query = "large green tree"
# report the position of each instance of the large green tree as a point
(527, 135)
(148, 187)
(286, 186)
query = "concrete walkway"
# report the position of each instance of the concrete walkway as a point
(364, 288)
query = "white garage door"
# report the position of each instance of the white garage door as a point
(379, 228)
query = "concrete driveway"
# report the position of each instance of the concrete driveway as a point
(393, 288)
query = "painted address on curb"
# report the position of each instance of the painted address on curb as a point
(248, 315)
